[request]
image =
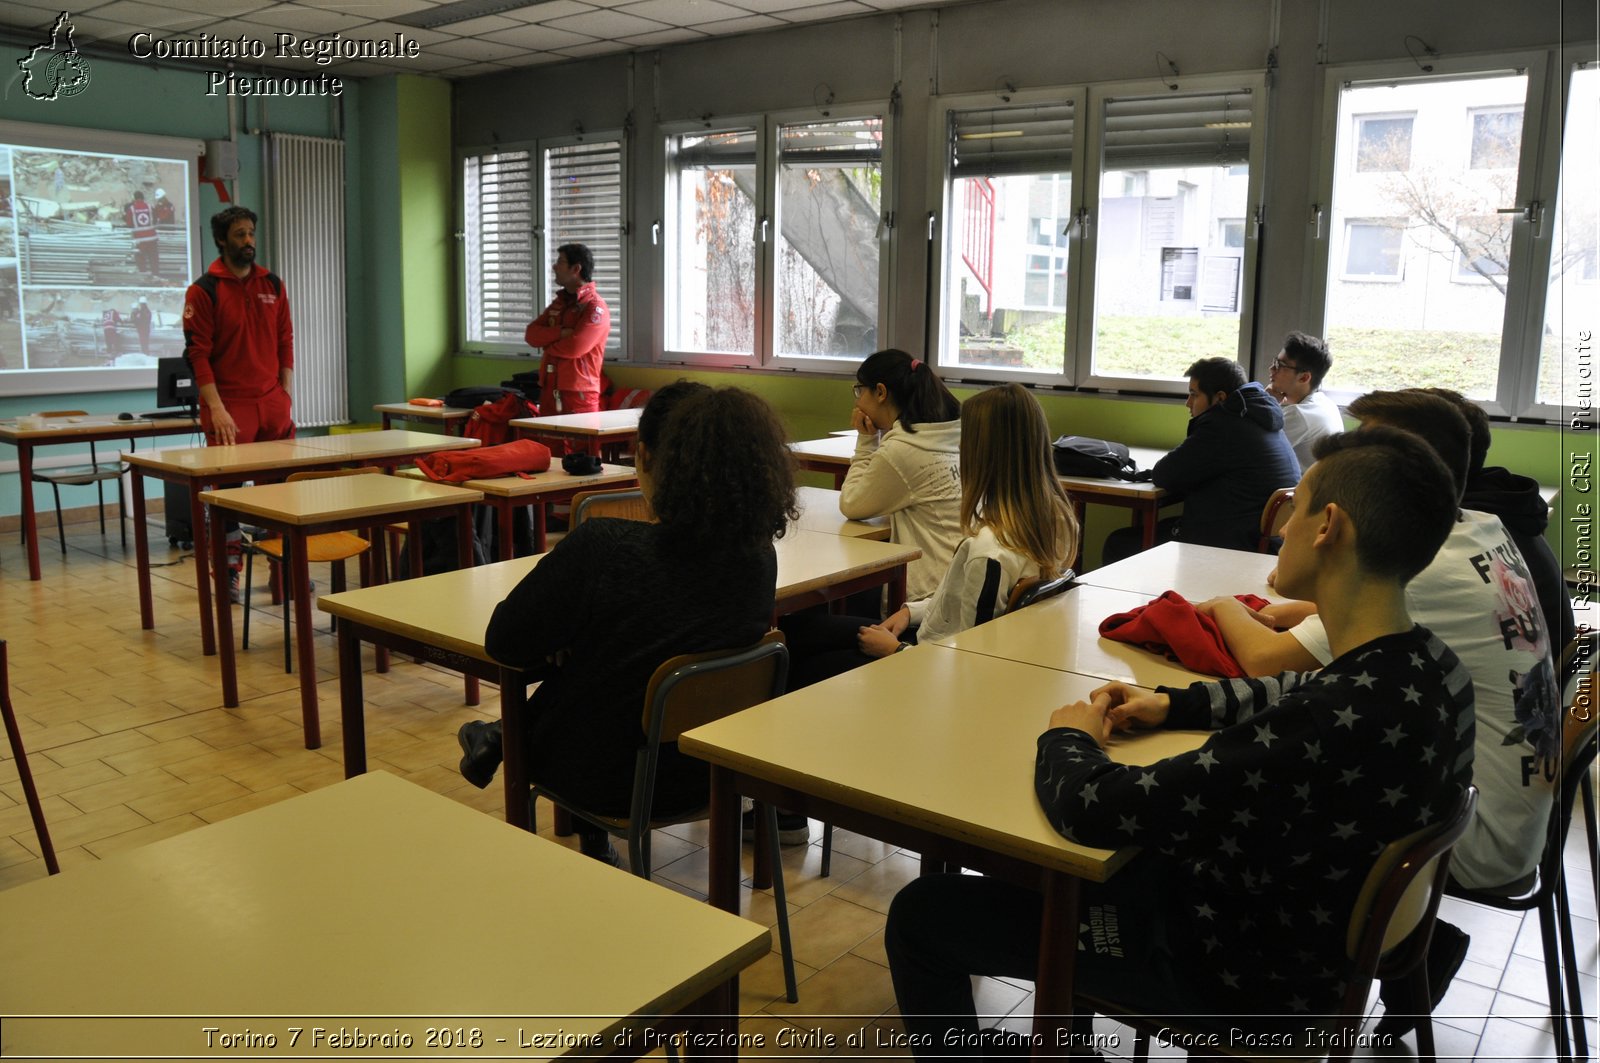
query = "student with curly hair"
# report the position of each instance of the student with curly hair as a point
(615, 598)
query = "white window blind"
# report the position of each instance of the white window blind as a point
(502, 274)
(583, 205)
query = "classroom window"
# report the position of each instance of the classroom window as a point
(583, 205)
(1372, 249)
(828, 257)
(501, 271)
(1162, 295)
(519, 205)
(1008, 214)
(1383, 143)
(1483, 268)
(774, 240)
(1108, 254)
(1566, 337)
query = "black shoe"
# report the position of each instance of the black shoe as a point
(793, 828)
(1446, 952)
(480, 742)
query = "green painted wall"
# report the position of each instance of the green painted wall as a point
(427, 227)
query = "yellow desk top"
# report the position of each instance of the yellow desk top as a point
(241, 457)
(450, 610)
(617, 477)
(819, 512)
(1196, 572)
(1061, 633)
(809, 560)
(97, 424)
(426, 413)
(338, 497)
(389, 443)
(371, 897)
(934, 737)
(583, 424)
(830, 450)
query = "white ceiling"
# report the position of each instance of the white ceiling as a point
(539, 32)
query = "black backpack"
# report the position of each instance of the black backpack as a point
(470, 398)
(1095, 458)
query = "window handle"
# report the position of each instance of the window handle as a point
(931, 217)
(1081, 219)
(1317, 215)
(655, 233)
(1533, 214)
(762, 228)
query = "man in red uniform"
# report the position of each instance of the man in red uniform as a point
(572, 330)
(240, 343)
(239, 340)
(141, 218)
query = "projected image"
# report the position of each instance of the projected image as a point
(10, 317)
(100, 220)
(8, 223)
(90, 328)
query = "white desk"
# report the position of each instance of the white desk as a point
(357, 905)
(1196, 572)
(819, 512)
(453, 418)
(310, 507)
(932, 749)
(1060, 633)
(603, 431)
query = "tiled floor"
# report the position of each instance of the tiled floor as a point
(129, 746)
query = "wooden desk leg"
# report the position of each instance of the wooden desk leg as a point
(388, 422)
(513, 746)
(197, 522)
(465, 558)
(507, 548)
(1058, 935)
(717, 1020)
(352, 716)
(723, 841)
(141, 552)
(761, 867)
(219, 574)
(1148, 516)
(304, 638)
(378, 563)
(30, 518)
(897, 587)
(540, 544)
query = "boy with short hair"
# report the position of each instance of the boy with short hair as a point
(1257, 842)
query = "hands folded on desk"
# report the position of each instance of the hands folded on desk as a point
(1113, 707)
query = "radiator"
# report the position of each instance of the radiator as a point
(305, 216)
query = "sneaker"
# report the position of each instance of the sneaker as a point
(793, 828)
(480, 746)
(1446, 951)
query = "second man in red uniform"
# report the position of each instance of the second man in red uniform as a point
(572, 330)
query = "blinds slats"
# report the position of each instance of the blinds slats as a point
(1199, 129)
(1002, 141)
(583, 205)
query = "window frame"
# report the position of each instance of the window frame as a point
(1399, 224)
(1088, 102)
(539, 252)
(767, 126)
(1360, 120)
(1528, 268)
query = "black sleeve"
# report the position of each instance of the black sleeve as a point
(1214, 705)
(552, 604)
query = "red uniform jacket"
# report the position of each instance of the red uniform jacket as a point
(243, 339)
(141, 218)
(576, 358)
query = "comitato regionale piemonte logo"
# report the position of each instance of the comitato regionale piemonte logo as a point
(55, 69)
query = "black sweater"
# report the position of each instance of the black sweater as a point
(1271, 825)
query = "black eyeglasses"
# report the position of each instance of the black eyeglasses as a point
(1279, 363)
(857, 389)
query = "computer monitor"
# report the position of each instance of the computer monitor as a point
(175, 384)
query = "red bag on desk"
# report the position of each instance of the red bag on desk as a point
(485, 463)
(1171, 627)
(491, 422)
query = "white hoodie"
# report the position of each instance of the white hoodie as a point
(915, 479)
(974, 591)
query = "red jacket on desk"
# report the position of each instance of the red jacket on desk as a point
(240, 341)
(575, 358)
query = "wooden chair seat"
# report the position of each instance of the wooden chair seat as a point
(330, 546)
